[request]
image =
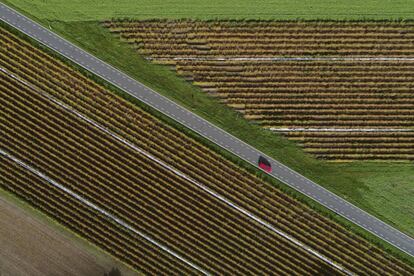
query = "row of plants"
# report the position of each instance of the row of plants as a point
(91, 225)
(318, 94)
(193, 38)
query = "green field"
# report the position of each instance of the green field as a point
(384, 189)
(76, 10)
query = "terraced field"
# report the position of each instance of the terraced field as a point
(113, 154)
(172, 38)
(245, 64)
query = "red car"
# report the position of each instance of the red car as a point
(265, 165)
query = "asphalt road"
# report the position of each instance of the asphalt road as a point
(206, 129)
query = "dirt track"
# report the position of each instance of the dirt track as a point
(31, 246)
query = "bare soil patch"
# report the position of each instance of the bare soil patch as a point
(31, 246)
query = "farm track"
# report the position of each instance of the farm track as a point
(63, 141)
(250, 67)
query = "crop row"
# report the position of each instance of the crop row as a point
(358, 145)
(194, 35)
(163, 54)
(262, 67)
(259, 23)
(259, 75)
(323, 96)
(326, 152)
(196, 161)
(91, 225)
(157, 47)
(332, 123)
(353, 135)
(302, 85)
(277, 112)
(180, 38)
(267, 30)
(372, 148)
(316, 94)
(363, 156)
(269, 65)
(292, 79)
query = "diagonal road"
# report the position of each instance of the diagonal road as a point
(206, 129)
(166, 166)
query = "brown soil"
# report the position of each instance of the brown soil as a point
(30, 245)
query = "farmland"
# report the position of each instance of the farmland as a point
(23, 234)
(252, 38)
(129, 184)
(384, 188)
(235, 62)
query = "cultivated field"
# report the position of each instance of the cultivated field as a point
(23, 237)
(38, 92)
(236, 38)
(244, 64)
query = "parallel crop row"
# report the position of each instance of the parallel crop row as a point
(237, 38)
(319, 94)
(357, 145)
(126, 246)
(153, 199)
(142, 193)
(295, 94)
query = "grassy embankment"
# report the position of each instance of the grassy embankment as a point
(79, 10)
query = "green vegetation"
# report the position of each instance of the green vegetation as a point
(383, 189)
(79, 10)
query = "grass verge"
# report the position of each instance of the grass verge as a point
(80, 10)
